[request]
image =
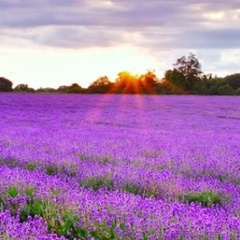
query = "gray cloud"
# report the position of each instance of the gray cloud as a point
(79, 37)
(202, 38)
(157, 24)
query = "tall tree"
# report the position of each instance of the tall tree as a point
(186, 74)
(101, 85)
(190, 68)
(149, 82)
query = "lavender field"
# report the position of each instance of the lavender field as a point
(119, 167)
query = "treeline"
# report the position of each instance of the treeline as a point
(186, 77)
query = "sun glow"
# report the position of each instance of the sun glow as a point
(45, 67)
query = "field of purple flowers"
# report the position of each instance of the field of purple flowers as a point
(119, 167)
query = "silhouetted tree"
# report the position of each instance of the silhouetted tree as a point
(186, 73)
(213, 84)
(226, 90)
(62, 89)
(233, 80)
(169, 87)
(148, 83)
(174, 81)
(74, 88)
(46, 90)
(237, 92)
(101, 85)
(23, 88)
(5, 85)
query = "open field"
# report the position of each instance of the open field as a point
(119, 167)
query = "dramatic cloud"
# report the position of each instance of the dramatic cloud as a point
(180, 24)
(157, 27)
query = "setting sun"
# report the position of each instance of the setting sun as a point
(56, 67)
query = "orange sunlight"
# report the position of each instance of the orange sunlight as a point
(45, 67)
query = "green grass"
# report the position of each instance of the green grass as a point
(12, 191)
(97, 182)
(31, 166)
(132, 188)
(207, 198)
(51, 169)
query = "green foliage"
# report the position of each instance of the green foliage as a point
(207, 199)
(237, 92)
(66, 225)
(29, 191)
(233, 80)
(176, 80)
(13, 205)
(84, 157)
(2, 203)
(143, 192)
(219, 237)
(34, 208)
(208, 85)
(101, 159)
(23, 88)
(74, 88)
(151, 192)
(123, 226)
(186, 73)
(225, 90)
(97, 182)
(132, 188)
(31, 166)
(106, 159)
(170, 87)
(51, 169)
(104, 232)
(10, 162)
(68, 168)
(63, 223)
(145, 236)
(46, 90)
(12, 191)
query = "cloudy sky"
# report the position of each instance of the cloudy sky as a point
(50, 43)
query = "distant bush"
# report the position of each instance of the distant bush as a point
(233, 80)
(23, 88)
(45, 90)
(5, 85)
(74, 88)
(226, 89)
(237, 92)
